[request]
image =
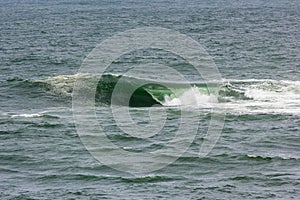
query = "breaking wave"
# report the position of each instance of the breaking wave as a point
(243, 96)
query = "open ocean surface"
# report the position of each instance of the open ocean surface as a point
(256, 46)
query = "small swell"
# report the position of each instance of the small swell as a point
(147, 179)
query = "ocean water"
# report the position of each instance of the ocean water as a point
(256, 48)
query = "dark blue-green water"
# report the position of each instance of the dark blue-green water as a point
(256, 47)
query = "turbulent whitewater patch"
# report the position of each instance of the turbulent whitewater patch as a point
(191, 97)
(63, 84)
(267, 96)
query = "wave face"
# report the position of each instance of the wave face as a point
(244, 96)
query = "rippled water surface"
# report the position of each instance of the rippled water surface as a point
(256, 47)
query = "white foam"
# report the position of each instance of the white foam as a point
(265, 97)
(282, 97)
(191, 97)
(34, 115)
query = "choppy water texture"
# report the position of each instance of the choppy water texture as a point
(255, 45)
